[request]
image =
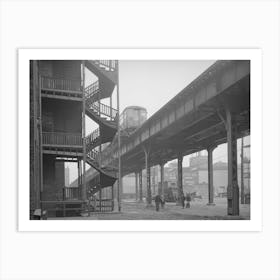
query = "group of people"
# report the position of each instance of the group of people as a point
(187, 198)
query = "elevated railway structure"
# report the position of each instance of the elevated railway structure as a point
(212, 110)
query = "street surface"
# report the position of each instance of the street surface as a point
(132, 210)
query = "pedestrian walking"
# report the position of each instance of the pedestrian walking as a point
(157, 201)
(188, 198)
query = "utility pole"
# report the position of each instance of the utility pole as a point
(154, 180)
(84, 134)
(119, 143)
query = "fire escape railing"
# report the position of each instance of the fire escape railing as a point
(51, 83)
(63, 139)
(92, 136)
(71, 193)
(110, 65)
(103, 109)
(92, 89)
(94, 155)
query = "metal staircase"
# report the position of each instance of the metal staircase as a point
(104, 68)
(100, 89)
(92, 92)
(107, 174)
(94, 158)
(107, 119)
(102, 114)
(93, 140)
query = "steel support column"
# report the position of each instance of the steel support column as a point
(100, 200)
(233, 189)
(180, 178)
(119, 145)
(162, 180)
(148, 172)
(136, 186)
(111, 111)
(140, 187)
(79, 177)
(210, 176)
(153, 179)
(112, 197)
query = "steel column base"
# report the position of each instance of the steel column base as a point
(211, 204)
(233, 200)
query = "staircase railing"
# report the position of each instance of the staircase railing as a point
(60, 138)
(52, 83)
(92, 89)
(94, 155)
(104, 205)
(109, 65)
(97, 157)
(102, 109)
(71, 193)
(92, 136)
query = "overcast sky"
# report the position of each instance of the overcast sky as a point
(151, 84)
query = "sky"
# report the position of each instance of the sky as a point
(151, 84)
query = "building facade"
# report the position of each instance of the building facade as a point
(59, 102)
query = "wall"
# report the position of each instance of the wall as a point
(62, 115)
(59, 174)
(53, 178)
(46, 68)
(67, 69)
(34, 139)
(64, 69)
(49, 188)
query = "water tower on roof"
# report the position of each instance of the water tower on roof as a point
(132, 117)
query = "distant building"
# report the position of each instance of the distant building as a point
(195, 177)
(128, 183)
(67, 176)
(199, 161)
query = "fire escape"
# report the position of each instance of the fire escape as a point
(107, 119)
